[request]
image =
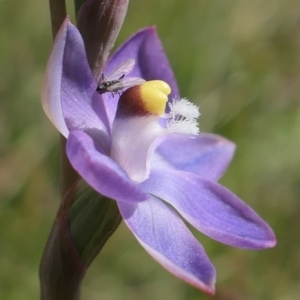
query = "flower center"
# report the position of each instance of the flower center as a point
(141, 124)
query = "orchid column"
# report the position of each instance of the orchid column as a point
(85, 219)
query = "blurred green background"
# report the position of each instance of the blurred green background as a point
(240, 61)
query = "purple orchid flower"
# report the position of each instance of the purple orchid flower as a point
(162, 176)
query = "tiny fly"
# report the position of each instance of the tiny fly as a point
(115, 81)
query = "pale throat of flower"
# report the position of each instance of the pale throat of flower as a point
(141, 124)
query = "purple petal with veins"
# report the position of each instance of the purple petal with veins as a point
(101, 172)
(78, 87)
(211, 208)
(206, 155)
(69, 85)
(166, 238)
(151, 63)
(51, 93)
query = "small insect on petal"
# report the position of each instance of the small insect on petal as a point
(115, 81)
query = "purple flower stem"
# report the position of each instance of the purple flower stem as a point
(55, 285)
(61, 269)
(58, 13)
(68, 175)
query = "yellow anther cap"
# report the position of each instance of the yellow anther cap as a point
(154, 95)
(148, 98)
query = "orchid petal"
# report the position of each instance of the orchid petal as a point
(166, 238)
(69, 85)
(52, 82)
(151, 63)
(206, 155)
(211, 208)
(78, 86)
(88, 158)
